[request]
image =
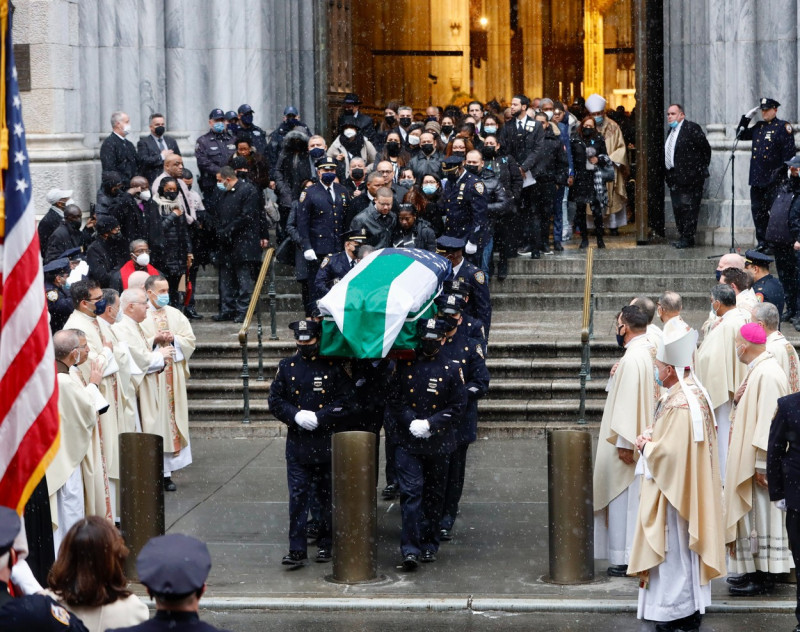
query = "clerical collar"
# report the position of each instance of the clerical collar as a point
(635, 338)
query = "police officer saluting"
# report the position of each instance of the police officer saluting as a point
(463, 203)
(310, 395)
(773, 144)
(59, 302)
(426, 401)
(479, 304)
(767, 288)
(333, 268)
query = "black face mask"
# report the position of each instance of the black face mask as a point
(452, 321)
(170, 195)
(357, 173)
(430, 348)
(473, 169)
(393, 148)
(76, 224)
(458, 153)
(427, 149)
(308, 351)
(160, 129)
(316, 153)
(390, 120)
(587, 131)
(489, 152)
(348, 111)
(405, 121)
(447, 130)
(452, 176)
(432, 118)
(247, 119)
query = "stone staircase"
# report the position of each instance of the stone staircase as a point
(534, 352)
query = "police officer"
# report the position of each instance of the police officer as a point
(473, 326)
(469, 352)
(258, 137)
(213, 150)
(334, 267)
(311, 396)
(59, 302)
(767, 288)
(174, 568)
(479, 305)
(291, 121)
(320, 219)
(463, 204)
(773, 144)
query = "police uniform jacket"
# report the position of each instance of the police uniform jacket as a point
(420, 236)
(148, 155)
(379, 227)
(479, 305)
(320, 220)
(59, 304)
(118, 154)
(773, 144)
(241, 222)
(783, 452)
(371, 380)
(464, 205)
(469, 353)
(332, 270)
(258, 137)
(212, 152)
(432, 389)
(319, 385)
(167, 621)
(474, 329)
(769, 290)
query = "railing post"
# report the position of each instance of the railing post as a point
(259, 332)
(273, 323)
(245, 378)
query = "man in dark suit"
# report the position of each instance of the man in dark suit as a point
(117, 153)
(783, 472)
(66, 236)
(687, 155)
(58, 200)
(153, 149)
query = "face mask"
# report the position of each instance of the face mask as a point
(76, 224)
(447, 129)
(116, 236)
(328, 177)
(316, 153)
(308, 351)
(549, 114)
(118, 317)
(390, 120)
(489, 152)
(405, 121)
(100, 307)
(221, 186)
(673, 124)
(247, 119)
(432, 118)
(143, 259)
(126, 129)
(714, 311)
(473, 169)
(587, 131)
(739, 352)
(621, 340)
(658, 379)
(357, 173)
(452, 321)
(430, 348)
(218, 127)
(162, 300)
(429, 189)
(598, 120)
(490, 129)
(452, 176)
(349, 132)
(718, 274)
(393, 148)
(171, 195)
(160, 129)
(427, 149)
(413, 140)
(144, 195)
(458, 153)
(348, 111)
(66, 285)
(407, 182)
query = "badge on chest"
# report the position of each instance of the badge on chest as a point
(432, 385)
(318, 384)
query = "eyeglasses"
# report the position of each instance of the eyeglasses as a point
(94, 300)
(141, 252)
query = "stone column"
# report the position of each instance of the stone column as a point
(530, 22)
(498, 81)
(152, 93)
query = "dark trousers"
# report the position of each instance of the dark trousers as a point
(390, 448)
(193, 278)
(597, 213)
(686, 207)
(538, 204)
(793, 531)
(422, 479)
(312, 267)
(301, 477)
(786, 260)
(235, 286)
(761, 199)
(174, 280)
(455, 485)
(558, 214)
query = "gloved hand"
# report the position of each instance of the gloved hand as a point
(306, 419)
(310, 255)
(470, 248)
(780, 504)
(752, 112)
(420, 428)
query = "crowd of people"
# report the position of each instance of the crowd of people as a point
(696, 463)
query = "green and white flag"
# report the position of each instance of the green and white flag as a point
(376, 305)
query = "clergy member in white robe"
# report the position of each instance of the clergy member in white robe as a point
(755, 531)
(617, 210)
(167, 326)
(766, 315)
(717, 366)
(678, 545)
(632, 394)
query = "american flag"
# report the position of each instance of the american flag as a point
(28, 391)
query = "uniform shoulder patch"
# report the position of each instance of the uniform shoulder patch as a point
(60, 614)
(325, 262)
(789, 129)
(52, 296)
(479, 187)
(760, 297)
(479, 350)
(302, 196)
(480, 277)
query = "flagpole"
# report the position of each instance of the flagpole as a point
(3, 121)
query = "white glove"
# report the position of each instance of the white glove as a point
(470, 248)
(420, 428)
(310, 255)
(752, 112)
(306, 419)
(780, 504)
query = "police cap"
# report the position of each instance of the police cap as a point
(768, 104)
(216, 114)
(754, 257)
(75, 254)
(459, 288)
(244, 108)
(57, 266)
(9, 528)
(445, 243)
(305, 330)
(231, 115)
(432, 329)
(450, 304)
(173, 564)
(794, 162)
(359, 235)
(290, 110)
(326, 162)
(451, 163)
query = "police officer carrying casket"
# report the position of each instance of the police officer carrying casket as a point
(334, 267)
(773, 144)
(311, 396)
(479, 304)
(464, 204)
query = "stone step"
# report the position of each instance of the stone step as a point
(573, 302)
(631, 284)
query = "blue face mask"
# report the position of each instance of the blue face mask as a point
(66, 285)
(490, 129)
(429, 189)
(598, 120)
(328, 177)
(100, 307)
(673, 124)
(162, 300)
(221, 186)
(316, 153)
(658, 379)
(719, 275)
(219, 127)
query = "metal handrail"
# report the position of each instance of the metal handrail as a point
(587, 327)
(255, 308)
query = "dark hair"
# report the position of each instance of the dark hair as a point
(164, 182)
(82, 290)
(525, 101)
(90, 568)
(647, 306)
(677, 105)
(227, 172)
(152, 280)
(741, 279)
(724, 294)
(478, 103)
(407, 207)
(243, 139)
(156, 115)
(633, 317)
(187, 175)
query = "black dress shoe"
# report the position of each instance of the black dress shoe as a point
(445, 535)
(295, 559)
(535, 254)
(219, 318)
(584, 243)
(739, 580)
(323, 555)
(748, 589)
(614, 232)
(191, 312)
(680, 244)
(410, 562)
(428, 556)
(390, 491)
(312, 529)
(502, 276)
(169, 486)
(618, 571)
(239, 318)
(787, 316)
(558, 247)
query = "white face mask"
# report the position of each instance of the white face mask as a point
(349, 132)
(126, 129)
(549, 114)
(118, 317)
(144, 195)
(143, 259)
(413, 140)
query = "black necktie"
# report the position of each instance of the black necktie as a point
(352, 263)
(519, 125)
